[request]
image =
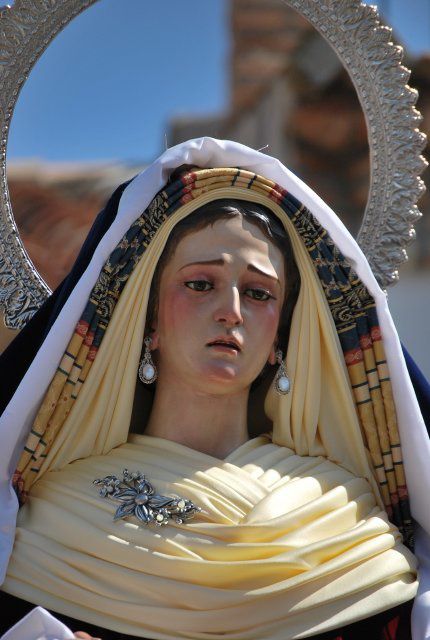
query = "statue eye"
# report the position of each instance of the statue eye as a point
(199, 285)
(259, 294)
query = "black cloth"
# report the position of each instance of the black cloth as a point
(421, 387)
(18, 356)
(393, 624)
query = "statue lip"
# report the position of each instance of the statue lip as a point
(225, 341)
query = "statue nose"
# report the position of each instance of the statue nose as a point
(229, 311)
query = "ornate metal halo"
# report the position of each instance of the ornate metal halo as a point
(374, 64)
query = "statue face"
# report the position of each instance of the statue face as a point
(220, 300)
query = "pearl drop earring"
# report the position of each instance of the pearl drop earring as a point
(147, 370)
(282, 382)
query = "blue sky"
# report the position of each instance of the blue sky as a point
(411, 21)
(109, 83)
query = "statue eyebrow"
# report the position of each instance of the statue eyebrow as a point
(220, 262)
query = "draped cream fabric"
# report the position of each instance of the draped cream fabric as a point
(286, 547)
(290, 546)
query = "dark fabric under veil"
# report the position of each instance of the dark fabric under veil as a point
(421, 387)
(393, 624)
(18, 356)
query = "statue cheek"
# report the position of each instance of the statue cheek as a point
(177, 314)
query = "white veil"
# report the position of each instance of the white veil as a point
(208, 152)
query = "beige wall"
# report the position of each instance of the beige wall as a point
(6, 335)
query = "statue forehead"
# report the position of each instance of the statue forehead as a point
(228, 237)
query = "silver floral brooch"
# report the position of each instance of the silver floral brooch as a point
(138, 498)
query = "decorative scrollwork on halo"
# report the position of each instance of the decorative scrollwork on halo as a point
(375, 65)
(26, 29)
